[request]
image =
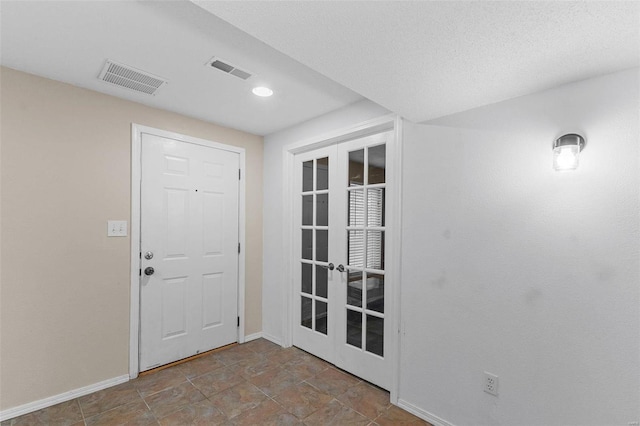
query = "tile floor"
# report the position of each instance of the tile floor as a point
(257, 383)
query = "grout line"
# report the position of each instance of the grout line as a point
(81, 411)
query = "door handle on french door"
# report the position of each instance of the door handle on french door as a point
(329, 266)
(149, 270)
(340, 268)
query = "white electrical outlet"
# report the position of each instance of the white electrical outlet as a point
(116, 228)
(491, 383)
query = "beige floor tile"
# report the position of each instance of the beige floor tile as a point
(236, 354)
(274, 382)
(238, 399)
(366, 399)
(397, 416)
(200, 366)
(305, 366)
(267, 413)
(159, 380)
(105, 400)
(333, 381)
(234, 387)
(171, 400)
(303, 399)
(335, 414)
(199, 413)
(135, 413)
(217, 381)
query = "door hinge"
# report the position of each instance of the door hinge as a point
(238, 321)
(238, 248)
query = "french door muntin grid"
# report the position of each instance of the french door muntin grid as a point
(314, 301)
(365, 261)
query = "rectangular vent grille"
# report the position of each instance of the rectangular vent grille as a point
(227, 68)
(131, 78)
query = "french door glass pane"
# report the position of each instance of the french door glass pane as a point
(375, 207)
(322, 173)
(321, 281)
(354, 289)
(307, 210)
(306, 278)
(322, 210)
(307, 176)
(321, 317)
(354, 328)
(305, 312)
(375, 249)
(322, 245)
(375, 292)
(375, 335)
(307, 244)
(377, 164)
(356, 207)
(356, 168)
(355, 248)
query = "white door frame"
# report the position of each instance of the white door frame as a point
(386, 123)
(134, 231)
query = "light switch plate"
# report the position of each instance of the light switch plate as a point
(116, 228)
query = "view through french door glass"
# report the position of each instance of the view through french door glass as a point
(365, 248)
(340, 226)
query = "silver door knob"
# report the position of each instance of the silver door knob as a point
(340, 268)
(149, 270)
(148, 255)
(329, 266)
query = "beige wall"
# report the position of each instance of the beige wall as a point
(66, 167)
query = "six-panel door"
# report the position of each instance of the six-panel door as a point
(189, 222)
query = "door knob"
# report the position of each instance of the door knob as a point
(340, 268)
(149, 270)
(148, 255)
(329, 266)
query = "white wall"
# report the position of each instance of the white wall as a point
(508, 266)
(513, 268)
(273, 249)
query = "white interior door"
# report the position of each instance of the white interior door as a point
(189, 236)
(340, 294)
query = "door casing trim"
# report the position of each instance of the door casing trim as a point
(137, 131)
(385, 123)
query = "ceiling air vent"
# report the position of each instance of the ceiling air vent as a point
(227, 68)
(131, 78)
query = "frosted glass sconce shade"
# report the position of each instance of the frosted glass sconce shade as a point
(566, 151)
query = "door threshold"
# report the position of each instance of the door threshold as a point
(182, 361)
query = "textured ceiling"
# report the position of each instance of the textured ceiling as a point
(427, 59)
(70, 42)
(420, 59)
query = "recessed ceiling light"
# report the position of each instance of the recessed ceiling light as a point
(262, 91)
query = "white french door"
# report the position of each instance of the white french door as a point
(189, 249)
(340, 294)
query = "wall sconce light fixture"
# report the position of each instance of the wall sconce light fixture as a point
(566, 150)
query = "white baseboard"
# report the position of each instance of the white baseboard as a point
(253, 336)
(63, 397)
(272, 339)
(424, 415)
